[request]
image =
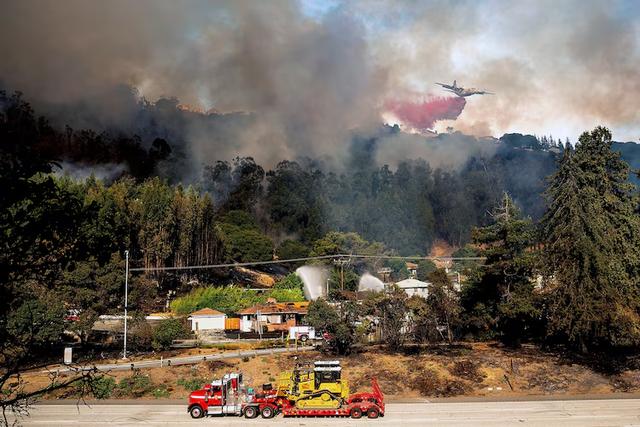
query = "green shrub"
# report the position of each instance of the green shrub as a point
(103, 387)
(160, 392)
(290, 281)
(191, 384)
(286, 295)
(228, 299)
(136, 385)
(167, 331)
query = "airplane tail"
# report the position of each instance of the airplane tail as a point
(454, 83)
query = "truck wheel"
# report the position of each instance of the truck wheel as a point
(268, 412)
(373, 413)
(196, 411)
(304, 339)
(250, 412)
(356, 413)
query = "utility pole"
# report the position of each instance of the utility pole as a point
(341, 262)
(126, 299)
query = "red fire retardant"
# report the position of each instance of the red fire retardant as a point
(423, 115)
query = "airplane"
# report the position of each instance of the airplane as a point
(462, 92)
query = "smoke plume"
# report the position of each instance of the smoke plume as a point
(299, 79)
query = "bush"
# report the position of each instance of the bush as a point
(191, 384)
(290, 281)
(228, 299)
(103, 387)
(160, 392)
(287, 295)
(136, 385)
(167, 331)
(140, 336)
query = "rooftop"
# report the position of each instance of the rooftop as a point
(412, 283)
(278, 307)
(207, 312)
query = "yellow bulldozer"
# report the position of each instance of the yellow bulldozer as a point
(317, 387)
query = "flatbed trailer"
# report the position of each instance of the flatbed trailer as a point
(370, 405)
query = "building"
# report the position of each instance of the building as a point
(207, 319)
(273, 316)
(414, 287)
(412, 268)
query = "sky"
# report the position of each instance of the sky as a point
(315, 70)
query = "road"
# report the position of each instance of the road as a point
(181, 360)
(611, 412)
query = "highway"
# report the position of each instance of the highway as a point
(609, 412)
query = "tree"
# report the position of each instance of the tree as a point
(339, 323)
(443, 301)
(294, 200)
(392, 311)
(334, 243)
(423, 324)
(502, 292)
(398, 268)
(246, 245)
(166, 332)
(291, 249)
(425, 267)
(591, 247)
(37, 236)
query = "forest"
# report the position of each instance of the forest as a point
(557, 223)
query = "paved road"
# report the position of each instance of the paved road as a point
(183, 360)
(612, 412)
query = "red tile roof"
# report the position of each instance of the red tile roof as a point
(277, 308)
(207, 312)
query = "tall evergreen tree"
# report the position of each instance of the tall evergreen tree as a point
(502, 293)
(591, 247)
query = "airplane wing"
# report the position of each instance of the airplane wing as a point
(443, 84)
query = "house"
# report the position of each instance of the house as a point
(273, 316)
(412, 268)
(414, 287)
(207, 319)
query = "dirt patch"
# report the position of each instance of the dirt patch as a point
(429, 383)
(468, 370)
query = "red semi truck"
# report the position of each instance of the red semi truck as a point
(229, 396)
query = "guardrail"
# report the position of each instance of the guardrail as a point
(184, 360)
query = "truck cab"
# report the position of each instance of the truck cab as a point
(229, 396)
(220, 397)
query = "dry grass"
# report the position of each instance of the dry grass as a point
(431, 371)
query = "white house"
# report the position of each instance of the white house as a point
(414, 287)
(207, 319)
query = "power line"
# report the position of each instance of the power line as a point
(286, 261)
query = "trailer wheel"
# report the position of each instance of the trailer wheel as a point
(196, 411)
(356, 413)
(373, 413)
(250, 412)
(268, 412)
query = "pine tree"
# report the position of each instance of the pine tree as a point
(591, 247)
(502, 293)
